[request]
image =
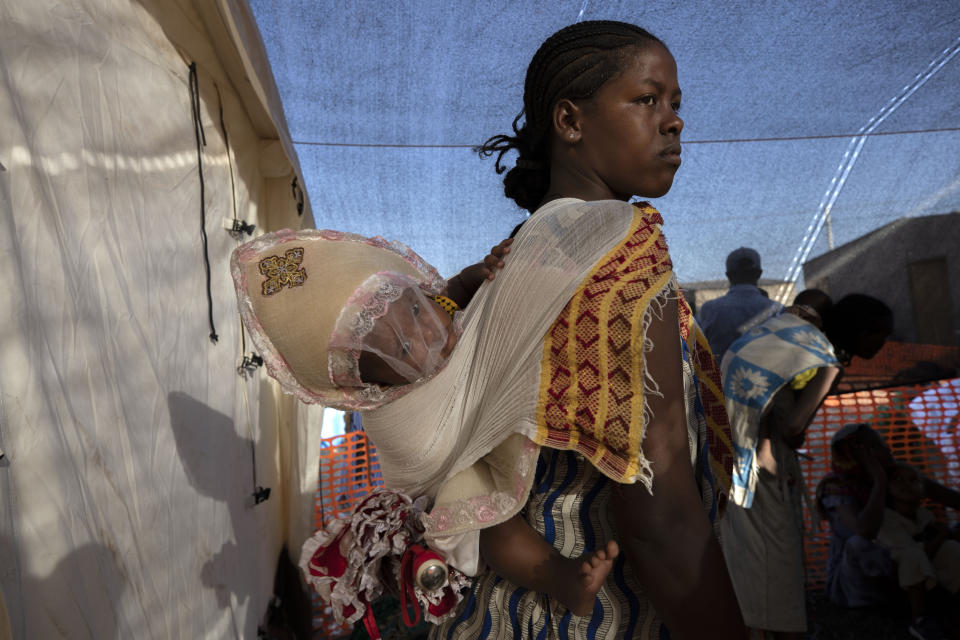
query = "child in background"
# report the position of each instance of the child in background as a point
(921, 548)
(873, 505)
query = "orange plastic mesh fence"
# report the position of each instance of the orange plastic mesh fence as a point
(919, 422)
(901, 363)
(348, 471)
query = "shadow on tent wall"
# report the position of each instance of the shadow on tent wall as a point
(86, 579)
(206, 440)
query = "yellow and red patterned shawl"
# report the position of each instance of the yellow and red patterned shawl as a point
(593, 374)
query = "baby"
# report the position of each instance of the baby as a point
(382, 320)
(921, 548)
(411, 341)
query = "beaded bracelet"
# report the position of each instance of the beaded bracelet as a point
(448, 305)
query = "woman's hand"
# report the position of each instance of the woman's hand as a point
(870, 463)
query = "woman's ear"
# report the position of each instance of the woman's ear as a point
(567, 118)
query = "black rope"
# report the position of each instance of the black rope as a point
(260, 494)
(825, 136)
(243, 339)
(226, 143)
(202, 141)
(297, 195)
(233, 200)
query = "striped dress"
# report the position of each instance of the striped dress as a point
(569, 506)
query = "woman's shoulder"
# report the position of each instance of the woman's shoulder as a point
(575, 206)
(580, 221)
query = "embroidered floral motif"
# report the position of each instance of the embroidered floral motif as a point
(467, 514)
(283, 271)
(813, 339)
(749, 384)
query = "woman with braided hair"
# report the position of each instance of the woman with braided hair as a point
(634, 440)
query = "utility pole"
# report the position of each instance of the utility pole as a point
(829, 232)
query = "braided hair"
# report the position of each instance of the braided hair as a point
(571, 64)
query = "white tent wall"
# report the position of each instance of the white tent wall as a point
(129, 437)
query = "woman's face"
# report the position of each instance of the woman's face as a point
(630, 130)
(906, 484)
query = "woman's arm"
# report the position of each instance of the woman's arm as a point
(867, 521)
(938, 493)
(666, 535)
(808, 401)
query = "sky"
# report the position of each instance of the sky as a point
(384, 101)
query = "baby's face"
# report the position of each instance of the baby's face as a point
(906, 485)
(868, 443)
(410, 341)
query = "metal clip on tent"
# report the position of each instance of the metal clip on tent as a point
(249, 364)
(236, 227)
(260, 494)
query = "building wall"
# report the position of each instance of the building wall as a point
(880, 264)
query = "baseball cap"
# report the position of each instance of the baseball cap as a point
(743, 259)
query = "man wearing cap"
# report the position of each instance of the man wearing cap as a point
(744, 306)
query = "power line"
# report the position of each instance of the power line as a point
(868, 213)
(829, 136)
(825, 136)
(385, 146)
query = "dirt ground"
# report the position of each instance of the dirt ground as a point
(829, 622)
(826, 622)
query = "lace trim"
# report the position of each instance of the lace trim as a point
(487, 510)
(350, 399)
(359, 313)
(347, 562)
(342, 562)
